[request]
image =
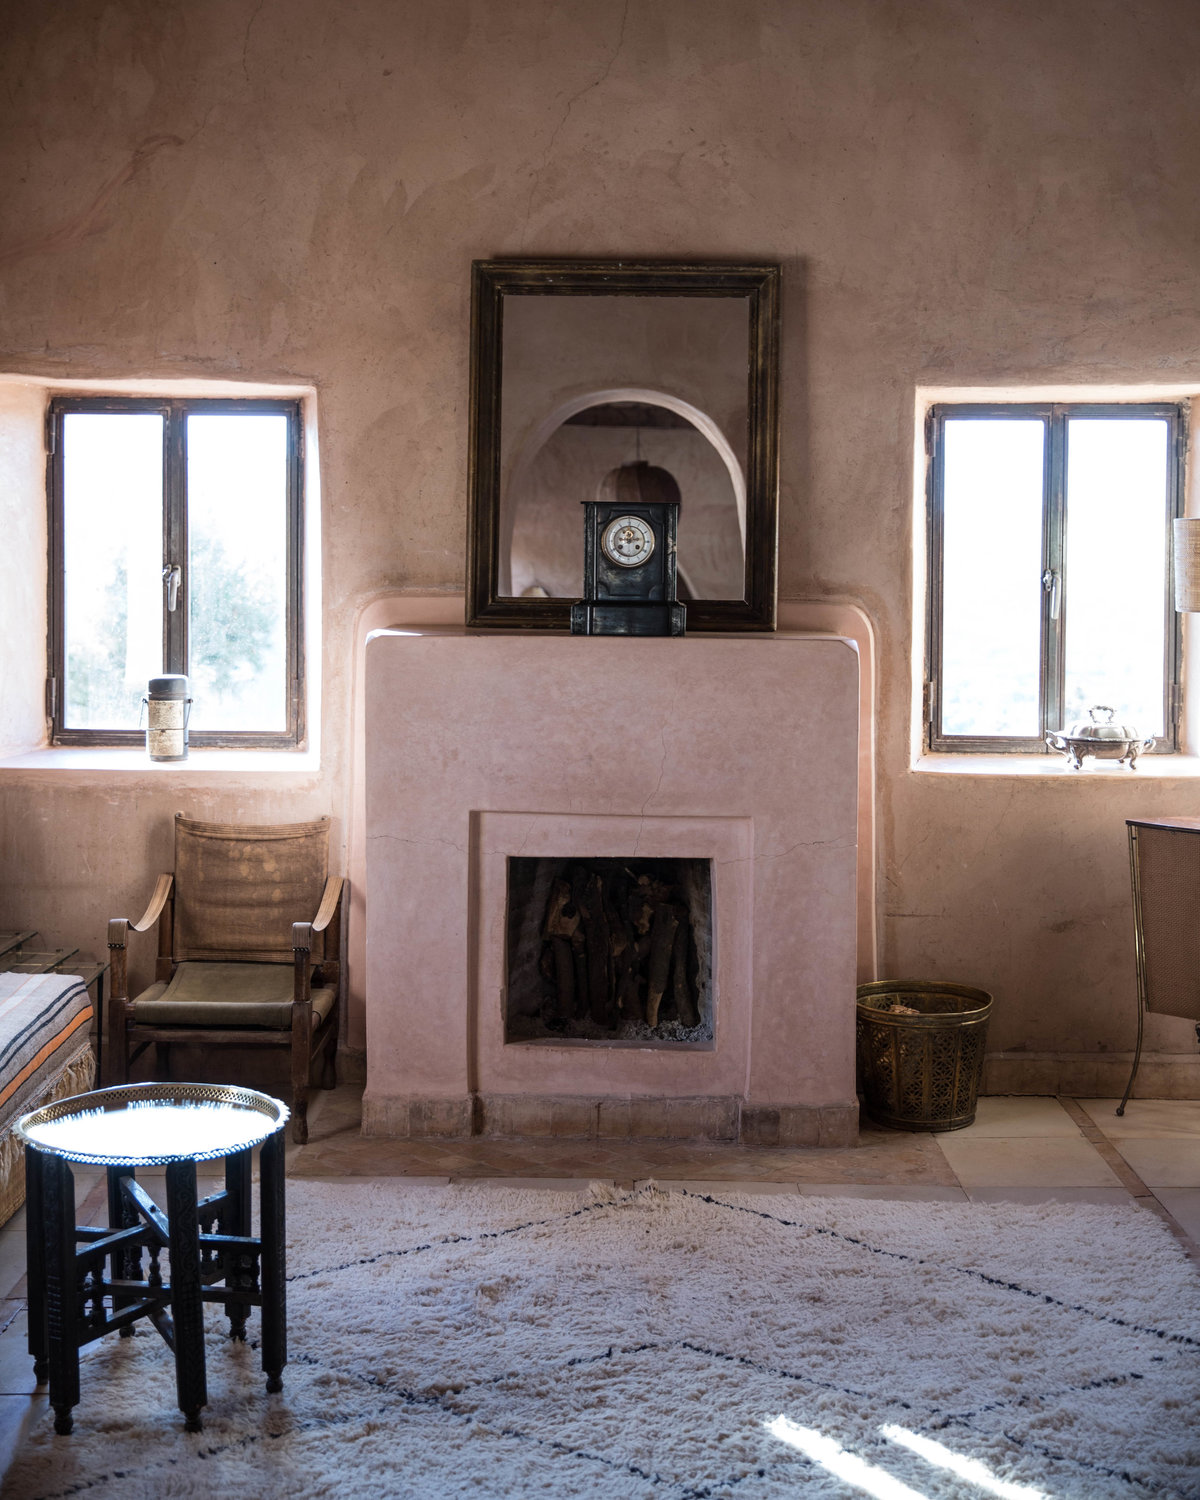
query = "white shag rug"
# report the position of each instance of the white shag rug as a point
(482, 1341)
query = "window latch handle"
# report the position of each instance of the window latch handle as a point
(1052, 583)
(172, 576)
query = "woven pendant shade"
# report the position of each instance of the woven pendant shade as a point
(1187, 564)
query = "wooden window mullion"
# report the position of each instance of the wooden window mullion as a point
(56, 644)
(295, 574)
(1173, 623)
(1054, 521)
(175, 537)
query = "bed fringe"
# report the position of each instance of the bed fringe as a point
(77, 1077)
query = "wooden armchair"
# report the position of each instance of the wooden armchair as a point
(249, 948)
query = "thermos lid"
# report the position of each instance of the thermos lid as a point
(168, 687)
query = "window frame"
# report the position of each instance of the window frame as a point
(1051, 675)
(175, 411)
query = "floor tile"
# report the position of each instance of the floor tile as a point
(17, 1414)
(1183, 1204)
(12, 1253)
(714, 1188)
(1011, 1117)
(420, 1182)
(16, 1367)
(1163, 1163)
(91, 1202)
(881, 1156)
(1145, 1118)
(895, 1192)
(543, 1184)
(1114, 1195)
(1059, 1162)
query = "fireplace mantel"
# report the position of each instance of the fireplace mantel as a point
(737, 749)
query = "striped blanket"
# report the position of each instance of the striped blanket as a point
(44, 1020)
(44, 1055)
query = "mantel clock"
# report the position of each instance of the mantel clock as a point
(629, 560)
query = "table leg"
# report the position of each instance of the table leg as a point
(274, 1261)
(123, 1262)
(187, 1306)
(239, 1265)
(62, 1302)
(35, 1262)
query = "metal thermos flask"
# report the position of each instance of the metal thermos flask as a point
(168, 709)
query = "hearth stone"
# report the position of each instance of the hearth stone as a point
(613, 1118)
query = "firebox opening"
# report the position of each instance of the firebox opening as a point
(610, 951)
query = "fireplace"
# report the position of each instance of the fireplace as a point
(609, 952)
(501, 763)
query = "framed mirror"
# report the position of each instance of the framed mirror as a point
(641, 374)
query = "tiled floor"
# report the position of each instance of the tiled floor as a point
(1019, 1149)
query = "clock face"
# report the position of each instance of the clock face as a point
(628, 541)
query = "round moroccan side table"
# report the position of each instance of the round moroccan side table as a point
(211, 1254)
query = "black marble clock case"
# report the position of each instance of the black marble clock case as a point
(629, 601)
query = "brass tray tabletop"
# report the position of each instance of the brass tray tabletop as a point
(153, 1124)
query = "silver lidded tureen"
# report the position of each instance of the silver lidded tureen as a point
(1099, 737)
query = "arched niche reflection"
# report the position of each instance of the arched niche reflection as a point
(565, 459)
(581, 367)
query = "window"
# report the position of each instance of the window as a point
(1049, 551)
(175, 546)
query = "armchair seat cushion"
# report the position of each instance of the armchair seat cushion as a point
(221, 994)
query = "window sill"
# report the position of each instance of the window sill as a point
(123, 762)
(1149, 767)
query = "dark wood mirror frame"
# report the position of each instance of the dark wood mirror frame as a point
(491, 282)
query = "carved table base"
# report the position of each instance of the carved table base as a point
(86, 1282)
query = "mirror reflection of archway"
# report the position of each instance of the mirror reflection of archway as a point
(568, 453)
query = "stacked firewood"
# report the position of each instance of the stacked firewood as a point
(618, 948)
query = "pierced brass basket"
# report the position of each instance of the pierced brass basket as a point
(922, 1071)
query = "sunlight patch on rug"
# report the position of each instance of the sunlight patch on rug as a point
(969, 1469)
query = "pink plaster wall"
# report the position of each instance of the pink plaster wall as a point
(960, 194)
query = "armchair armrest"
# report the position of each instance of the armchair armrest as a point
(302, 940)
(120, 927)
(302, 932)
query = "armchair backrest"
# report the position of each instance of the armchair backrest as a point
(238, 889)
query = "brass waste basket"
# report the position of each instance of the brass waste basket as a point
(922, 1071)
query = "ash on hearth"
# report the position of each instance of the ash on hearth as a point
(609, 950)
